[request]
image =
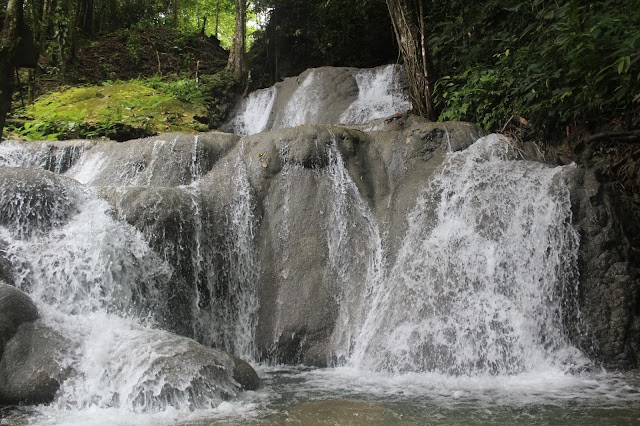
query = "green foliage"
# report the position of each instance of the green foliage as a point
(221, 90)
(183, 90)
(98, 111)
(553, 63)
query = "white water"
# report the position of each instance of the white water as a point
(254, 113)
(227, 320)
(480, 277)
(468, 318)
(355, 252)
(97, 282)
(304, 105)
(379, 96)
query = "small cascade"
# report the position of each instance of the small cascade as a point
(92, 263)
(254, 112)
(304, 105)
(355, 251)
(324, 96)
(380, 95)
(243, 265)
(227, 272)
(488, 258)
(98, 282)
(168, 160)
(55, 158)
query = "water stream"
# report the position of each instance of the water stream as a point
(465, 326)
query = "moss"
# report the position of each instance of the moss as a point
(96, 111)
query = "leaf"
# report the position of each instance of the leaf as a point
(623, 64)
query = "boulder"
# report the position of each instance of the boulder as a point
(168, 370)
(16, 308)
(35, 200)
(31, 367)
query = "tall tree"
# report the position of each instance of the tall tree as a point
(237, 62)
(408, 18)
(9, 43)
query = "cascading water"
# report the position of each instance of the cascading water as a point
(458, 317)
(355, 251)
(225, 305)
(304, 105)
(324, 97)
(99, 284)
(254, 112)
(480, 277)
(379, 95)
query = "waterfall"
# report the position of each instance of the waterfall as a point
(480, 278)
(379, 95)
(323, 96)
(355, 250)
(224, 309)
(254, 112)
(99, 283)
(304, 105)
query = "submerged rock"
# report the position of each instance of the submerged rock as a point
(337, 412)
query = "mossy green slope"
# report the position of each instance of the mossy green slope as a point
(95, 111)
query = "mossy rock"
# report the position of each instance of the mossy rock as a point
(120, 111)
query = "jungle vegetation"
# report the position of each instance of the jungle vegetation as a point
(538, 67)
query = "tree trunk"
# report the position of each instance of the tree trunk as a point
(9, 42)
(236, 62)
(408, 18)
(175, 14)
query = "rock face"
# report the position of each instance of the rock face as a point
(609, 291)
(298, 176)
(265, 234)
(326, 95)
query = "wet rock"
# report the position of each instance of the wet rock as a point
(245, 375)
(301, 279)
(607, 325)
(31, 368)
(35, 200)
(16, 308)
(6, 269)
(180, 373)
